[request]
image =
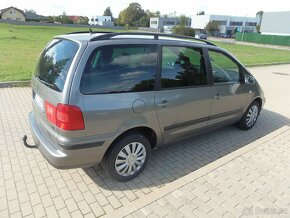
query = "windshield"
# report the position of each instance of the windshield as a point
(54, 63)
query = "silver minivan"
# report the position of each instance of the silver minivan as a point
(111, 98)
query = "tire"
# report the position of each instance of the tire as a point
(250, 116)
(118, 161)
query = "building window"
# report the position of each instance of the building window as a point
(220, 22)
(232, 23)
(11, 12)
(97, 20)
(169, 23)
(251, 23)
(153, 22)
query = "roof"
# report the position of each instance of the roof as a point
(75, 18)
(99, 36)
(6, 9)
(80, 36)
(33, 16)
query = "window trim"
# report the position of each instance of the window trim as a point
(119, 45)
(159, 76)
(232, 59)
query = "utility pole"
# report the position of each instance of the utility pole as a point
(244, 26)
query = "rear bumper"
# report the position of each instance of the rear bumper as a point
(65, 158)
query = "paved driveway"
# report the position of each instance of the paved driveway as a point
(227, 172)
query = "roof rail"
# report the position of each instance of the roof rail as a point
(88, 31)
(155, 35)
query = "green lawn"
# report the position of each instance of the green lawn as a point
(253, 55)
(21, 45)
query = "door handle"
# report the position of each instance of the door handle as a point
(218, 96)
(163, 104)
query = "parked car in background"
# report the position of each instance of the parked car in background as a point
(202, 36)
(111, 98)
(224, 35)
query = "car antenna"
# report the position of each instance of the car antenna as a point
(91, 32)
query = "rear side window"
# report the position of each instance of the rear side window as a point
(182, 67)
(54, 63)
(120, 68)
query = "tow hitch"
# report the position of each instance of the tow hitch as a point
(24, 139)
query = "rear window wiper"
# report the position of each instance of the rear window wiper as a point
(53, 86)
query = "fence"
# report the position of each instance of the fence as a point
(54, 24)
(263, 39)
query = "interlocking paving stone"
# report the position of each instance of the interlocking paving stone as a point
(29, 186)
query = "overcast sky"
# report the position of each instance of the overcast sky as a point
(187, 7)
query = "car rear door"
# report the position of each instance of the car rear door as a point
(183, 97)
(51, 81)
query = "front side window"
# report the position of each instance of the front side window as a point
(120, 68)
(182, 67)
(224, 69)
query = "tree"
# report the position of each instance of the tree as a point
(212, 27)
(184, 31)
(200, 13)
(173, 14)
(157, 13)
(30, 11)
(121, 18)
(235, 30)
(85, 21)
(182, 20)
(65, 19)
(181, 29)
(153, 14)
(259, 14)
(108, 12)
(132, 15)
(144, 21)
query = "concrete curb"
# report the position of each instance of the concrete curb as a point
(15, 84)
(265, 65)
(167, 189)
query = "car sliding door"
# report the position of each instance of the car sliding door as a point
(183, 101)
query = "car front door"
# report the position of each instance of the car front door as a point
(228, 92)
(183, 99)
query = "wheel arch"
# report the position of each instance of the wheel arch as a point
(149, 133)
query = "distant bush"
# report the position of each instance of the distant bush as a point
(184, 31)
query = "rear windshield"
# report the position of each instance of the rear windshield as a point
(54, 63)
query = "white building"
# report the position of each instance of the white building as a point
(101, 21)
(165, 23)
(276, 23)
(226, 23)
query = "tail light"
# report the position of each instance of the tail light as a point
(66, 117)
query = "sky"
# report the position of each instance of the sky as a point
(187, 7)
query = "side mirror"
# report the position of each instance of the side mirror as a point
(249, 79)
